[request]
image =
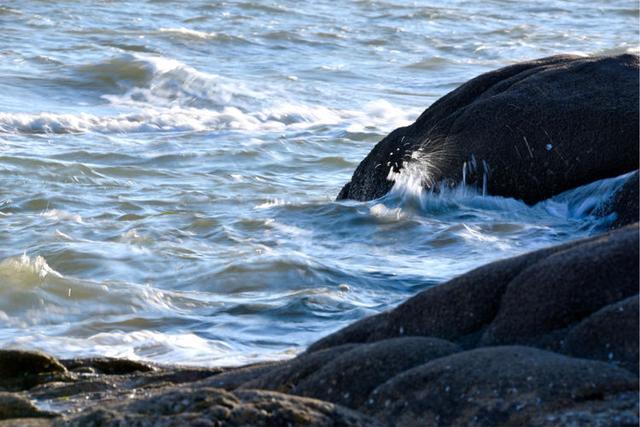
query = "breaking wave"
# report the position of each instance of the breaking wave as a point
(161, 94)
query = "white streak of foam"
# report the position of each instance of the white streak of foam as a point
(271, 203)
(189, 32)
(61, 215)
(152, 119)
(145, 345)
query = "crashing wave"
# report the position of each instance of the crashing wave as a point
(158, 94)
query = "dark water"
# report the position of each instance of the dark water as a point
(168, 169)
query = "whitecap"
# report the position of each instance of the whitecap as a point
(27, 268)
(61, 215)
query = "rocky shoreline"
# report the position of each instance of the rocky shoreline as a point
(548, 338)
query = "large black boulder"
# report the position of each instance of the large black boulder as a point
(533, 130)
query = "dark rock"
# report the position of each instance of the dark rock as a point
(26, 422)
(564, 288)
(16, 406)
(216, 407)
(299, 411)
(535, 129)
(612, 411)
(285, 377)
(351, 377)
(623, 204)
(54, 390)
(23, 369)
(463, 308)
(236, 377)
(107, 365)
(610, 334)
(504, 386)
(177, 375)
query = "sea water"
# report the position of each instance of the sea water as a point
(168, 170)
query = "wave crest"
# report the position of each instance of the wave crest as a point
(161, 94)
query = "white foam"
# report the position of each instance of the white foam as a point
(378, 115)
(271, 204)
(166, 95)
(61, 215)
(383, 212)
(411, 193)
(189, 33)
(581, 201)
(143, 345)
(152, 119)
(24, 266)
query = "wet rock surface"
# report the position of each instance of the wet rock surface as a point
(549, 338)
(530, 130)
(13, 405)
(25, 369)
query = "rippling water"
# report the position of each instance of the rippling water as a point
(168, 169)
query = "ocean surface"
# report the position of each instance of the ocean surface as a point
(168, 169)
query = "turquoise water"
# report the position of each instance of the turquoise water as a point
(168, 169)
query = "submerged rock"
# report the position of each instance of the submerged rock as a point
(528, 131)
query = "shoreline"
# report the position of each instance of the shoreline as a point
(398, 365)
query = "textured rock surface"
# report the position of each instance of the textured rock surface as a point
(494, 386)
(536, 128)
(610, 334)
(347, 374)
(564, 288)
(349, 379)
(288, 375)
(13, 405)
(24, 369)
(216, 407)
